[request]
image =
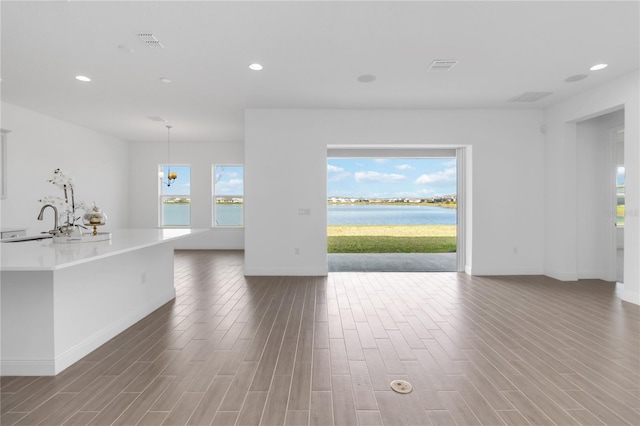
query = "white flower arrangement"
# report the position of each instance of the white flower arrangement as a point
(67, 207)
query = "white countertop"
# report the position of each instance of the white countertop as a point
(44, 255)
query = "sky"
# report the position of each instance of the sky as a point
(229, 180)
(182, 184)
(350, 177)
(620, 175)
(391, 177)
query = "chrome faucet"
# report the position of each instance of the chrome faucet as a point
(54, 231)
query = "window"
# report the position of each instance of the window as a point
(175, 196)
(228, 195)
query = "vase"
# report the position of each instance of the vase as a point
(71, 230)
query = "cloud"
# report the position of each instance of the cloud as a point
(229, 187)
(339, 176)
(380, 160)
(404, 167)
(179, 188)
(336, 173)
(426, 193)
(227, 184)
(447, 175)
(370, 176)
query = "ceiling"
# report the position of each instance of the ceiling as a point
(312, 53)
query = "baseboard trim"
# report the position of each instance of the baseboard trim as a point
(98, 339)
(561, 276)
(593, 275)
(504, 271)
(52, 367)
(299, 272)
(40, 367)
(631, 297)
(210, 246)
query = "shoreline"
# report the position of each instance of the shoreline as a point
(399, 203)
(391, 238)
(423, 230)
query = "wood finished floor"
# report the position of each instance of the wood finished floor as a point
(235, 350)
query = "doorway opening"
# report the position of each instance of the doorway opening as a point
(390, 213)
(618, 147)
(600, 196)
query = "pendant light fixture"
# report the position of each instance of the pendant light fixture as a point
(171, 176)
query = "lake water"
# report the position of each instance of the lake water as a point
(374, 214)
(176, 214)
(226, 214)
(229, 215)
(341, 214)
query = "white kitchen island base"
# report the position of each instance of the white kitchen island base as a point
(53, 318)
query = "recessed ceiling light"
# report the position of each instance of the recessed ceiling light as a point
(165, 80)
(255, 67)
(598, 67)
(82, 78)
(366, 78)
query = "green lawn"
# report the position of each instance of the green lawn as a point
(392, 239)
(620, 214)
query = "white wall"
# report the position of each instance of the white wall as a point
(145, 158)
(285, 170)
(37, 145)
(562, 179)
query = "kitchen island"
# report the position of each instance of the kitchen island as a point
(59, 302)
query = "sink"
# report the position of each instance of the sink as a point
(26, 238)
(84, 238)
(62, 239)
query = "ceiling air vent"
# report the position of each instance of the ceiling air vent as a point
(150, 40)
(156, 118)
(530, 96)
(442, 65)
(575, 78)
